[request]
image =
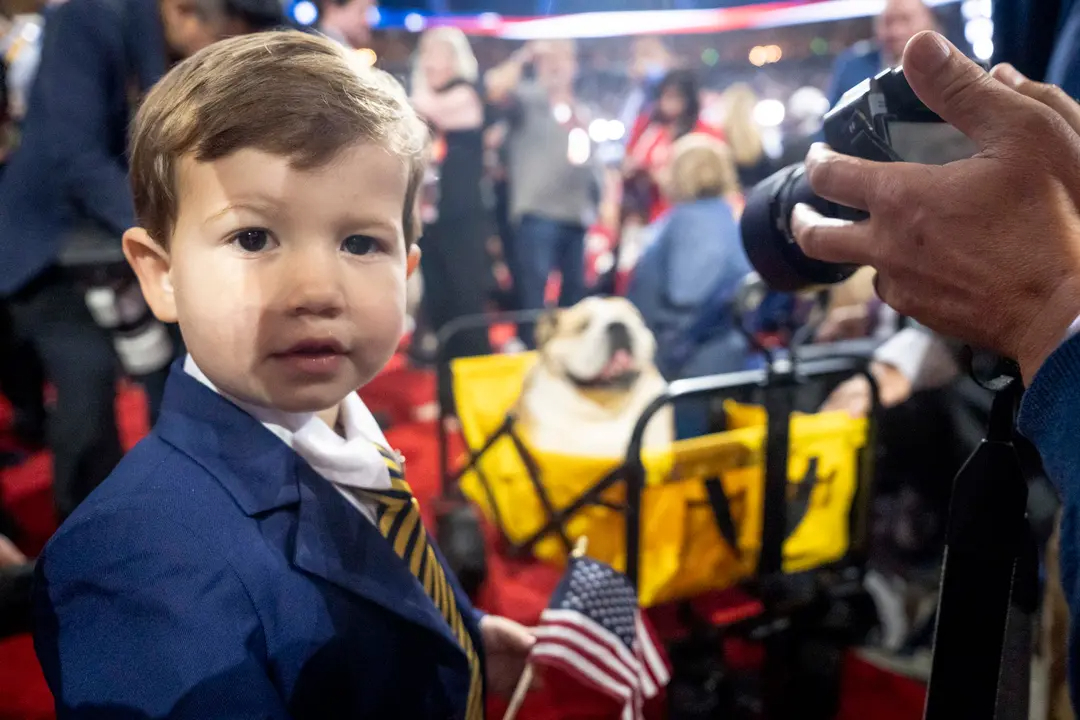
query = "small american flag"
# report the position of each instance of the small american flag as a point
(594, 632)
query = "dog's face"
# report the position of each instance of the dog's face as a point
(599, 344)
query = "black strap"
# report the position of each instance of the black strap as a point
(988, 585)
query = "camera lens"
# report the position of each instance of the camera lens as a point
(767, 236)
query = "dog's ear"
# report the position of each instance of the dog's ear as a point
(546, 325)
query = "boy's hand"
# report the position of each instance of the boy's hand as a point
(507, 645)
(9, 554)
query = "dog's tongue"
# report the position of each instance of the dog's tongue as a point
(619, 363)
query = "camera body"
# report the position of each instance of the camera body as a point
(881, 119)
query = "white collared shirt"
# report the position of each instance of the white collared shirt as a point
(346, 462)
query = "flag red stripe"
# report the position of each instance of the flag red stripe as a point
(574, 618)
(651, 657)
(593, 652)
(571, 663)
(648, 668)
(583, 671)
(584, 629)
(643, 677)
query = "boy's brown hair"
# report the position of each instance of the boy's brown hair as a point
(287, 93)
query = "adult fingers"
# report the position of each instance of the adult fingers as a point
(1050, 95)
(957, 89)
(830, 239)
(841, 178)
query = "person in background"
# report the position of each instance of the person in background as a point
(67, 182)
(553, 175)
(19, 383)
(20, 46)
(16, 583)
(962, 264)
(743, 135)
(347, 21)
(21, 377)
(687, 277)
(456, 267)
(897, 23)
(677, 112)
(650, 61)
(505, 294)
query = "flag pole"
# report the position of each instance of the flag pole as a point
(526, 679)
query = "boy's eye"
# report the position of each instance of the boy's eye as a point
(252, 240)
(359, 244)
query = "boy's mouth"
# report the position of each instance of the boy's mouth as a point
(313, 357)
(321, 346)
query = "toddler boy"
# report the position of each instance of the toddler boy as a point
(259, 554)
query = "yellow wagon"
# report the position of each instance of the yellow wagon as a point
(697, 516)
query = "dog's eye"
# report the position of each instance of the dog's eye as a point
(581, 325)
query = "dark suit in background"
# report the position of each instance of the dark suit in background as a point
(70, 172)
(1027, 33)
(859, 62)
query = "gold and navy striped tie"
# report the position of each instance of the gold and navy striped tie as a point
(398, 518)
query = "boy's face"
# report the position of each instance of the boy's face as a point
(288, 285)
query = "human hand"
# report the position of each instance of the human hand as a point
(506, 645)
(985, 249)
(844, 323)
(853, 396)
(9, 554)
(531, 50)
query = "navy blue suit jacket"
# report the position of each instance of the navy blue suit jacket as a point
(70, 167)
(215, 575)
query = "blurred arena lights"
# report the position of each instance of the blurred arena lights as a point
(616, 130)
(598, 130)
(971, 9)
(769, 113)
(807, 102)
(367, 56)
(979, 27)
(305, 12)
(489, 20)
(648, 22)
(601, 130)
(764, 54)
(578, 147)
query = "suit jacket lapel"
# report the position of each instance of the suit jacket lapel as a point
(333, 539)
(335, 542)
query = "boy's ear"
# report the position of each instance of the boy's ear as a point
(412, 260)
(151, 265)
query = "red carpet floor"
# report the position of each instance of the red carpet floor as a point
(515, 589)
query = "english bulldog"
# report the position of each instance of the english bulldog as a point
(594, 377)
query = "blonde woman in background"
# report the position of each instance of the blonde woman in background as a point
(695, 262)
(743, 134)
(456, 268)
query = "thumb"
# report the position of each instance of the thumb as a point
(955, 88)
(523, 638)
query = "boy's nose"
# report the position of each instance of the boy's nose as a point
(313, 287)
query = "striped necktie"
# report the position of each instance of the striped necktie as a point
(398, 518)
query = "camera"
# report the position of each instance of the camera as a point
(880, 119)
